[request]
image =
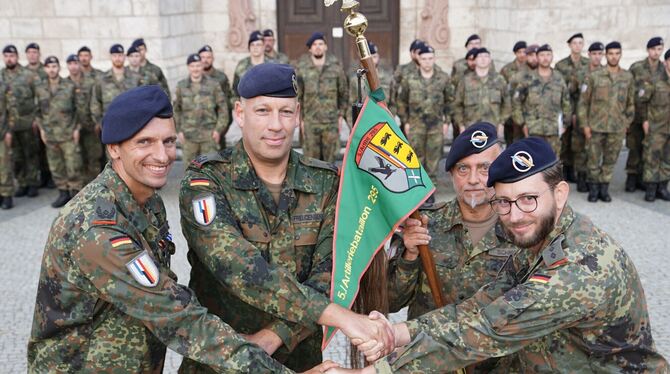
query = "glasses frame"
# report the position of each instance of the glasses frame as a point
(493, 201)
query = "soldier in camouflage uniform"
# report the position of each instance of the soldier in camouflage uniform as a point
(461, 66)
(6, 174)
(324, 97)
(89, 140)
(541, 104)
(154, 70)
(455, 80)
(656, 142)
(23, 88)
(34, 63)
(513, 132)
(464, 234)
(571, 67)
(606, 109)
(59, 129)
(107, 300)
(85, 57)
(269, 48)
(115, 81)
(645, 72)
(256, 56)
(207, 58)
(481, 96)
(201, 112)
(384, 75)
(402, 71)
(147, 76)
(424, 107)
(578, 306)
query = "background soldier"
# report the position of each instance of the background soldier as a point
(34, 63)
(256, 57)
(514, 132)
(200, 111)
(403, 70)
(89, 140)
(323, 100)
(657, 135)
(6, 175)
(24, 88)
(269, 48)
(542, 103)
(85, 57)
(481, 96)
(59, 130)
(115, 81)
(147, 65)
(385, 79)
(570, 67)
(461, 66)
(147, 76)
(606, 109)
(424, 107)
(645, 72)
(207, 59)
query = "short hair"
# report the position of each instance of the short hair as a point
(553, 175)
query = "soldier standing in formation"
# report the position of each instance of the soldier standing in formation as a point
(402, 71)
(34, 63)
(85, 57)
(461, 66)
(6, 174)
(256, 57)
(200, 111)
(153, 69)
(269, 48)
(645, 72)
(542, 102)
(384, 75)
(424, 107)
(606, 110)
(323, 90)
(59, 131)
(513, 132)
(147, 76)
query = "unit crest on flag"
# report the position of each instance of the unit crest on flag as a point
(386, 156)
(204, 209)
(144, 270)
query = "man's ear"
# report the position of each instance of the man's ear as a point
(238, 113)
(561, 193)
(114, 151)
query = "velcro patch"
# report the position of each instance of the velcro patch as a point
(144, 270)
(199, 182)
(539, 278)
(307, 217)
(120, 240)
(204, 209)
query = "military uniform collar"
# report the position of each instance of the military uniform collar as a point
(454, 217)
(552, 254)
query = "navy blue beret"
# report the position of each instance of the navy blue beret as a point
(480, 51)
(132, 50)
(138, 43)
(532, 48)
(475, 139)
(471, 53)
(317, 35)
(84, 49)
(32, 46)
(471, 38)
(10, 48)
(655, 41)
(373, 47)
(193, 57)
(205, 48)
(519, 45)
(268, 33)
(425, 48)
(544, 48)
(596, 46)
(51, 60)
(666, 55)
(116, 48)
(613, 45)
(577, 35)
(129, 112)
(72, 58)
(255, 36)
(276, 80)
(520, 160)
(416, 44)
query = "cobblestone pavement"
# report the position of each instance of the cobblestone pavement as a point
(641, 227)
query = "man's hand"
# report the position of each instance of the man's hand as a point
(325, 366)
(445, 129)
(645, 127)
(75, 136)
(461, 128)
(360, 329)
(372, 350)
(587, 133)
(43, 136)
(415, 234)
(97, 129)
(340, 123)
(8, 139)
(180, 137)
(265, 339)
(407, 127)
(574, 120)
(501, 131)
(400, 330)
(216, 136)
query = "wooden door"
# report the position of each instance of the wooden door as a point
(298, 19)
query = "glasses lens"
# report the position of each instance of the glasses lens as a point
(527, 204)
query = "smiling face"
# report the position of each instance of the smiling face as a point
(144, 161)
(469, 177)
(267, 125)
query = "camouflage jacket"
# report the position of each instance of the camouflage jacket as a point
(460, 68)
(508, 71)
(657, 99)
(94, 73)
(643, 76)
(255, 263)
(277, 56)
(398, 74)
(107, 88)
(24, 88)
(542, 105)
(241, 68)
(154, 75)
(198, 113)
(578, 307)
(107, 300)
(606, 103)
(462, 267)
(59, 111)
(385, 79)
(39, 70)
(323, 91)
(147, 76)
(83, 91)
(6, 119)
(480, 99)
(426, 101)
(222, 78)
(571, 73)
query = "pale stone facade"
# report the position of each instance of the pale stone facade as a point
(175, 28)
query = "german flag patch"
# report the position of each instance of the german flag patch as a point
(120, 240)
(199, 182)
(539, 278)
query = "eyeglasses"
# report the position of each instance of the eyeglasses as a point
(526, 204)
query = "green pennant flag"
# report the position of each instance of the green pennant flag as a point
(382, 182)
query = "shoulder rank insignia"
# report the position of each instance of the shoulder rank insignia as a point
(319, 164)
(144, 270)
(105, 212)
(434, 206)
(553, 256)
(203, 159)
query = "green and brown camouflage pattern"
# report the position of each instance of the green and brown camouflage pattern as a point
(481, 99)
(107, 88)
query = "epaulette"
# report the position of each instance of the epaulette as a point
(313, 162)
(554, 256)
(105, 212)
(434, 206)
(201, 160)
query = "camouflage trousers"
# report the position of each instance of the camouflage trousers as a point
(656, 157)
(566, 152)
(428, 143)
(91, 154)
(513, 132)
(321, 141)
(65, 164)
(25, 150)
(603, 151)
(191, 150)
(634, 138)
(6, 174)
(578, 146)
(553, 140)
